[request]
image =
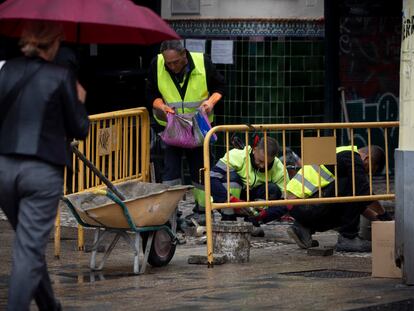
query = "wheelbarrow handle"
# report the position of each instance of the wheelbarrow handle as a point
(75, 150)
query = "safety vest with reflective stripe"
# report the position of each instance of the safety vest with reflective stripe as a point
(196, 91)
(310, 176)
(237, 163)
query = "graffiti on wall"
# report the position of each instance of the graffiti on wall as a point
(369, 61)
(369, 56)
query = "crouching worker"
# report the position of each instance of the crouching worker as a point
(257, 181)
(344, 217)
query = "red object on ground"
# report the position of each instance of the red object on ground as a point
(89, 21)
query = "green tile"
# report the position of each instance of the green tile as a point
(260, 79)
(274, 64)
(281, 94)
(273, 79)
(260, 48)
(288, 48)
(317, 78)
(318, 48)
(314, 63)
(281, 78)
(268, 48)
(301, 48)
(252, 95)
(266, 94)
(245, 94)
(252, 64)
(252, 48)
(259, 111)
(252, 79)
(297, 94)
(297, 63)
(280, 63)
(278, 48)
(313, 93)
(245, 47)
(274, 94)
(259, 94)
(267, 81)
(260, 64)
(266, 64)
(287, 77)
(286, 95)
(300, 78)
(317, 107)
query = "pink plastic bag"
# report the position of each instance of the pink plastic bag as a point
(180, 131)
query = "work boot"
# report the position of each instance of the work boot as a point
(226, 217)
(301, 235)
(257, 232)
(352, 245)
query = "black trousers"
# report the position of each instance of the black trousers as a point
(323, 217)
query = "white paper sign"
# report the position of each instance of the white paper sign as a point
(195, 45)
(222, 51)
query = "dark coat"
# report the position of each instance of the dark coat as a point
(46, 113)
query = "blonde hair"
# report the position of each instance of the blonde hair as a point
(38, 36)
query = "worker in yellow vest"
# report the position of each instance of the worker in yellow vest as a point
(237, 161)
(341, 216)
(180, 82)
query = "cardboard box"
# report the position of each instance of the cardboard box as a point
(383, 241)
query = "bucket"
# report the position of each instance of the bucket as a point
(232, 238)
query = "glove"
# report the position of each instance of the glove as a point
(239, 210)
(262, 215)
(235, 200)
(270, 214)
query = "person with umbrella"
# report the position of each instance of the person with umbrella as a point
(181, 82)
(40, 112)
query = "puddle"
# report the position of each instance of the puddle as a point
(90, 277)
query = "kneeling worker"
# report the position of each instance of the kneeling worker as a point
(344, 217)
(257, 182)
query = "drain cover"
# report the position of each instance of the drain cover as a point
(329, 274)
(401, 305)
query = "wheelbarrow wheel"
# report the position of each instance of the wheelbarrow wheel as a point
(162, 248)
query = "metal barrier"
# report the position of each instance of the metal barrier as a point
(118, 144)
(305, 130)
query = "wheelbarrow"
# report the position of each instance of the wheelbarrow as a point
(147, 211)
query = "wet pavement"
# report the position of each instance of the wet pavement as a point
(279, 276)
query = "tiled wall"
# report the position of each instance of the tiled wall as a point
(274, 80)
(277, 75)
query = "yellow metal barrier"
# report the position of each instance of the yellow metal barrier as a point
(118, 144)
(283, 129)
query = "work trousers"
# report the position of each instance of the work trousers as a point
(29, 195)
(341, 216)
(173, 168)
(219, 193)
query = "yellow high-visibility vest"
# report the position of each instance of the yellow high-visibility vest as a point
(195, 94)
(310, 176)
(237, 163)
